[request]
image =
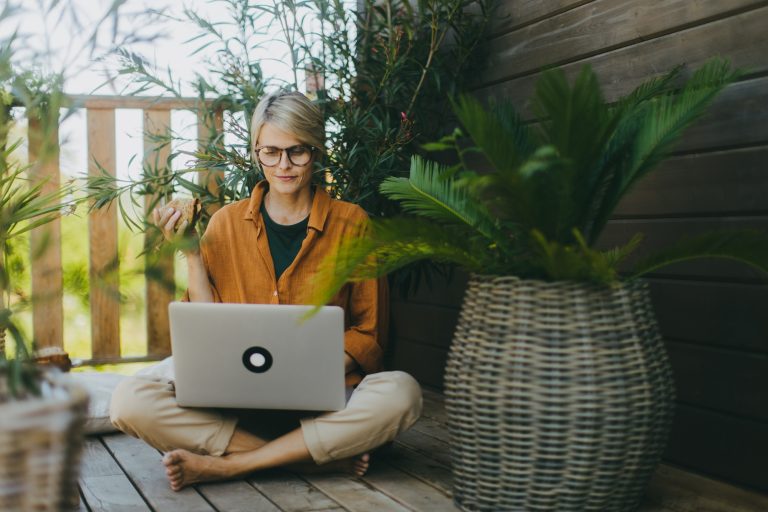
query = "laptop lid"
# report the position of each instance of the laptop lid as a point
(258, 356)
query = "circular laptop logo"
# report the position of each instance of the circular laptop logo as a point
(257, 359)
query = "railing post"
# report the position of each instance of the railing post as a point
(160, 277)
(45, 241)
(102, 228)
(210, 125)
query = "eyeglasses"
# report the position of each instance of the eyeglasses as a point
(298, 155)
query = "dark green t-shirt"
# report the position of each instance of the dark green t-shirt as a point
(284, 241)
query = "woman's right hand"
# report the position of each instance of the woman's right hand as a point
(166, 219)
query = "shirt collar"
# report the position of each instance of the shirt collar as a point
(321, 203)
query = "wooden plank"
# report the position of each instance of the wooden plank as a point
(209, 128)
(513, 14)
(447, 291)
(406, 490)
(106, 101)
(739, 116)
(721, 446)
(425, 323)
(291, 493)
(143, 465)
(623, 69)
(677, 490)
(103, 484)
(719, 182)
(661, 233)
(427, 470)
(434, 406)
(102, 235)
(236, 496)
(160, 284)
(740, 386)
(353, 494)
(45, 241)
(595, 28)
(433, 428)
(426, 445)
(409, 356)
(722, 314)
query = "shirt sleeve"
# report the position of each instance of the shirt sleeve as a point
(205, 254)
(363, 339)
(366, 337)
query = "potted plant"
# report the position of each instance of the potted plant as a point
(41, 415)
(558, 388)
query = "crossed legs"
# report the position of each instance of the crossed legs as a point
(205, 445)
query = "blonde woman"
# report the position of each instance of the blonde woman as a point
(266, 249)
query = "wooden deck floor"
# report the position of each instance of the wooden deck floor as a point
(120, 473)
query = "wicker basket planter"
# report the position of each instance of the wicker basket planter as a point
(41, 441)
(559, 396)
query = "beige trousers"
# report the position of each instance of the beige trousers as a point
(380, 407)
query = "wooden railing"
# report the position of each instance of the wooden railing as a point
(46, 269)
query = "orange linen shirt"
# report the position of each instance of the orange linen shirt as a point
(235, 252)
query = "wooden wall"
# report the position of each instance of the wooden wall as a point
(714, 316)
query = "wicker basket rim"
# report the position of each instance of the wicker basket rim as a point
(31, 405)
(622, 283)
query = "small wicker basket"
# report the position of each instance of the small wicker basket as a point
(41, 440)
(559, 396)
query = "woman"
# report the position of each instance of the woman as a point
(266, 249)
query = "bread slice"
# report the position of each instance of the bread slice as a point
(190, 210)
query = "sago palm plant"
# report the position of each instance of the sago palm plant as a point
(531, 199)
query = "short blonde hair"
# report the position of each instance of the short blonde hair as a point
(291, 112)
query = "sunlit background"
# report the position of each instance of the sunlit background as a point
(61, 37)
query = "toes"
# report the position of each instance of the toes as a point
(171, 458)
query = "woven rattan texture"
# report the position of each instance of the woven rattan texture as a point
(559, 396)
(41, 443)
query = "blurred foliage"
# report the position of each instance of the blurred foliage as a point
(381, 77)
(32, 77)
(536, 197)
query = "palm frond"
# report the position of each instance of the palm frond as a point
(392, 243)
(428, 192)
(650, 130)
(498, 133)
(746, 246)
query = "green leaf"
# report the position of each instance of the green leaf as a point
(498, 132)
(746, 246)
(429, 194)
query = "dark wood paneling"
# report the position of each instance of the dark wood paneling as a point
(719, 314)
(597, 27)
(721, 182)
(623, 69)
(425, 363)
(443, 290)
(695, 366)
(429, 324)
(722, 446)
(739, 116)
(511, 15)
(661, 233)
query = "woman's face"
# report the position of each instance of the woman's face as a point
(284, 177)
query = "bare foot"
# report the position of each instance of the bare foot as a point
(185, 468)
(355, 466)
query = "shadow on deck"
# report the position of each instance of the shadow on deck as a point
(121, 473)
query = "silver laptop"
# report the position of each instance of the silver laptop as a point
(258, 356)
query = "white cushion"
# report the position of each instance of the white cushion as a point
(99, 387)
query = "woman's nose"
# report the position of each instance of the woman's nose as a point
(284, 163)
